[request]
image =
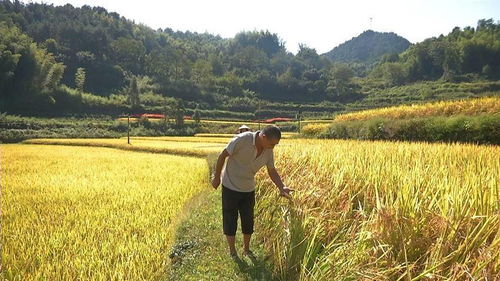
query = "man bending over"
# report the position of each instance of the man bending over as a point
(246, 153)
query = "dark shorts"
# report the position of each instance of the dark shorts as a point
(234, 202)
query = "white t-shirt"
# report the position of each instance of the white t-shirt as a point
(242, 164)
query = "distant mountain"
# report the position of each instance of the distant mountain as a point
(369, 46)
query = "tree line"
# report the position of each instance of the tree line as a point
(58, 57)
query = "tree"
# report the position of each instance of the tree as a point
(179, 114)
(166, 114)
(298, 116)
(202, 76)
(28, 74)
(133, 93)
(53, 77)
(451, 64)
(341, 77)
(197, 115)
(309, 56)
(129, 54)
(80, 77)
(263, 40)
(487, 71)
(394, 73)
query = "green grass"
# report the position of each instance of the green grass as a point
(423, 92)
(200, 250)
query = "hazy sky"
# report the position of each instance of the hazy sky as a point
(319, 24)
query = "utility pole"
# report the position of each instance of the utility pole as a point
(298, 116)
(258, 111)
(128, 128)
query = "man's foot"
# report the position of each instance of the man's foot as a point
(234, 256)
(249, 254)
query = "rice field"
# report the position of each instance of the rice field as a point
(383, 211)
(87, 213)
(154, 145)
(314, 129)
(361, 210)
(487, 105)
(215, 138)
(188, 146)
(208, 136)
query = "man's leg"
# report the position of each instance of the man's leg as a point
(231, 244)
(246, 242)
(230, 217)
(247, 221)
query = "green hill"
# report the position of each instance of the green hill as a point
(368, 47)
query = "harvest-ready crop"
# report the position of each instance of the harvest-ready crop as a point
(488, 105)
(383, 211)
(91, 213)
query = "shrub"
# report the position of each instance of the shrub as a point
(483, 129)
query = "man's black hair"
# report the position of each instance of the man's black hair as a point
(272, 132)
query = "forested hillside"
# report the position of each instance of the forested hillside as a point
(67, 60)
(368, 47)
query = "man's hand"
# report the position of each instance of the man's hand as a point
(285, 192)
(215, 182)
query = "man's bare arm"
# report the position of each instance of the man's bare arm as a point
(218, 168)
(275, 177)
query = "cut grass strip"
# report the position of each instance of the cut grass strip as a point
(200, 250)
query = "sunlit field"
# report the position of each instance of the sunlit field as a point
(206, 136)
(91, 213)
(383, 211)
(361, 210)
(190, 146)
(160, 145)
(216, 138)
(488, 105)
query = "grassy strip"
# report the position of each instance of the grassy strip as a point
(200, 250)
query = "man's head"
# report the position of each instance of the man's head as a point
(271, 136)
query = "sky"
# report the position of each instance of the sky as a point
(318, 24)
